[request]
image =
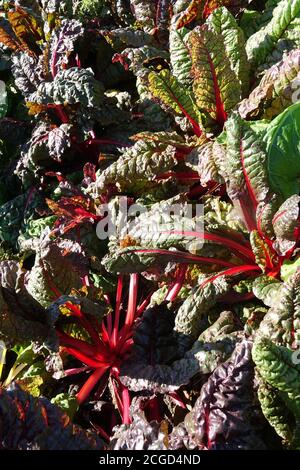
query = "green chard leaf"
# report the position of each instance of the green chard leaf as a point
(282, 322)
(216, 87)
(35, 423)
(164, 373)
(275, 410)
(285, 16)
(277, 367)
(282, 139)
(172, 95)
(136, 167)
(191, 318)
(222, 22)
(22, 318)
(244, 169)
(180, 56)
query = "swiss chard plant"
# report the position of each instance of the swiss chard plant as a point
(175, 324)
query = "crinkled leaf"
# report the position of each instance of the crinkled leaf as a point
(245, 168)
(191, 317)
(11, 218)
(265, 212)
(282, 323)
(289, 268)
(35, 424)
(154, 17)
(261, 250)
(22, 319)
(192, 10)
(45, 141)
(210, 157)
(286, 225)
(266, 288)
(121, 38)
(154, 341)
(202, 358)
(26, 28)
(139, 259)
(153, 362)
(278, 368)
(276, 90)
(275, 410)
(139, 435)
(167, 89)
(60, 265)
(72, 86)
(68, 403)
(27, 73)
(12, 42)
(223, 23)
(223, 417)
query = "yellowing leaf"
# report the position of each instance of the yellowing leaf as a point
(26, 29)
(193, 11)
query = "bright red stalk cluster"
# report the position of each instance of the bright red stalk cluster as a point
(110, 344)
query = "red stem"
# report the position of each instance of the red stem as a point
(221, 115)
(105, 335)
(91, 382)
(117, 310)
(51, 285)
(131, 308)
(109, 324)
(177, 400)
(83, 358)
(61, 114)
(83, 346)
(102, 433)
(126, 405)
(247, 179)
(140, 309)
